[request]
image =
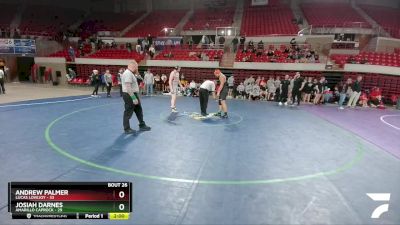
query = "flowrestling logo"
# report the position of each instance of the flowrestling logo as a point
(379, 197)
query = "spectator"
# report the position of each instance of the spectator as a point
(298, 86)
(284, 90)
(271, 88)
(356, 93)
(240, 90)
(149, 82)
(363, 100)
(157, 80)
(328, 95)
(248, 89)
(71, 74)
(192, 88)
(277, 83)
(152, 51)
(129, 47)
(255, 93)
(242, 41)
(258, 80)
(2, 80)
(108, 81)
(95, 78)
(231, 84)
(250, 45)
(344, 91)
(260, 45)
(270, 53)
(164, 80)
(308, 85)
(263, 89)
(375, 99)
(71, 53)
(120, 72)
(318, 90)
(235, 43)
(251, 80)
(293, 43)
(138, 49)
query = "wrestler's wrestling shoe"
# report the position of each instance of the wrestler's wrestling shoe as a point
(218, 114)
(144, 128)
(225, 116)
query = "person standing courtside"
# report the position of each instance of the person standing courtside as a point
(222, 93)
(120, 72)
(174, 84)
(356, 93)
(149, 82)
(231, 84)
(2, 79)
(96, 80)
(284, 90)
(108, 79)
(205, 88)
(130, 94)
(298, 86)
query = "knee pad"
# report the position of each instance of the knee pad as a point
(219, 102)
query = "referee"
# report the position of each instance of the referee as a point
(130, 90)
(205, 88)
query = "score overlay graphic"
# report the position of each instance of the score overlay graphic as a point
(70, 200)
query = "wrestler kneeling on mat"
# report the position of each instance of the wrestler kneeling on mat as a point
(205, 88)
(222, 93)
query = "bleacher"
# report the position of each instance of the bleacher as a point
(390, 85)
(388, 18)
(155, 22)
(46, 21)
(108, 21)
(189, 54)
(116, 54)
(333, 15)
(64, 54)
(268, 20)
(210, 19)
(373, 58)
(280, 56)
(8, 12)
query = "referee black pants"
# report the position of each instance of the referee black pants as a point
(109, 86)
(2, 89)
(203, 100)
(130, 108)
(296, 93)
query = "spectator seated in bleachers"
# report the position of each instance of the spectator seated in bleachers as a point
(299, 54)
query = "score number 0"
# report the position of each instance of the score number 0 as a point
(121, 206)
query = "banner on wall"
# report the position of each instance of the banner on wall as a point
(17, 46)
(161, 42)
(259, 2)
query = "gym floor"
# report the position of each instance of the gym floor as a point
(264, 165)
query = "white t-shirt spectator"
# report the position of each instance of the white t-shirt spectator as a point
(149, 78)
(277, 83)
(208, 85)
(231, 81)
(249, 89)
(251, 80)
(256, 90)
(246, 82)
(128, 78)
(108, 78)
(2, 74)
(240, 88)
(192, 85)
(164, 78)
(152, 50)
